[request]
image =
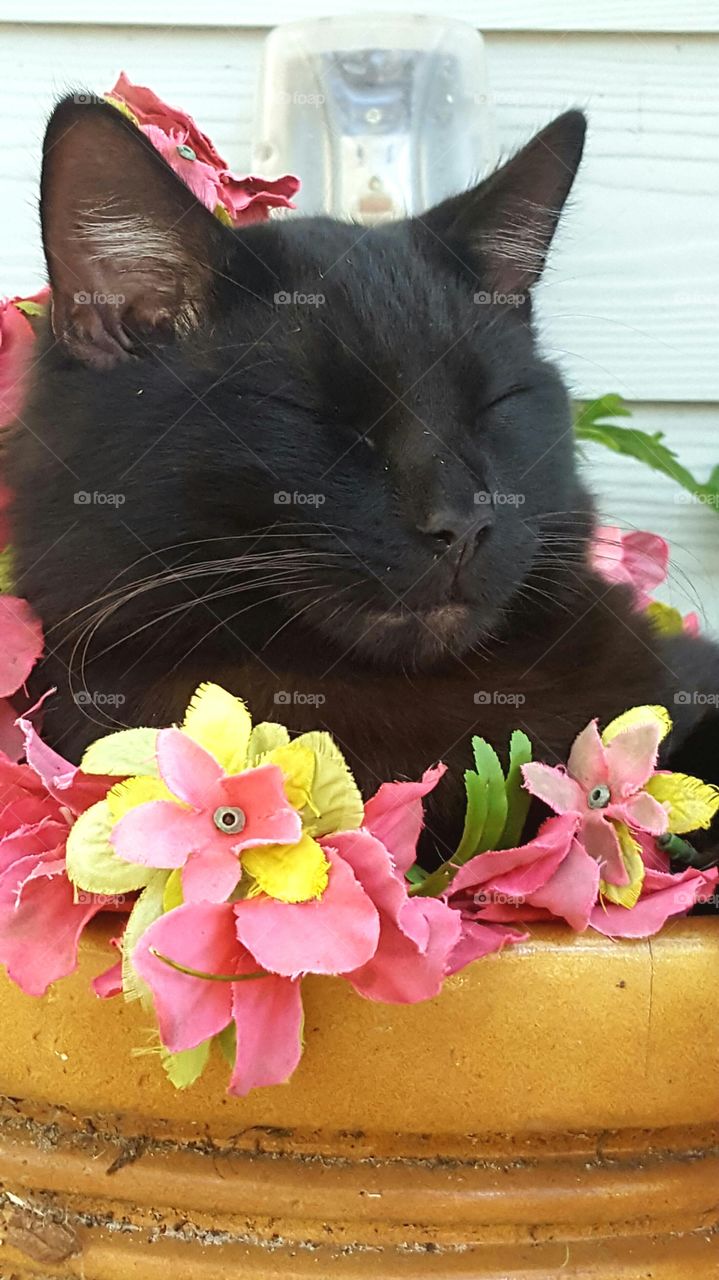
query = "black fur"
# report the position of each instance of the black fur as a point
(427, 579)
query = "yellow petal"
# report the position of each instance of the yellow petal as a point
(690, 803)
(173, 896)
(123, 108)
(626, 895)
(335, 801)
(636, 716)
(265, 737)
(665, 620)
(134, 791)
(221, 724)
(298, 766)
(289, 872)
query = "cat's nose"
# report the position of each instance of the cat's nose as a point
(455, 532)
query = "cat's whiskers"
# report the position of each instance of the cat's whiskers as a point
(181, 573)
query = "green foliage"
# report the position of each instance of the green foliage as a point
(591, 425)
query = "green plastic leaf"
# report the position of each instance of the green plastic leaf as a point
(30, 308)
(92, 863)
(518, 799)
(227, 1040)
(474, 818)
(184, 1068)
(131, 751)
(491, 774)
(591, 426)
(416, 874)
(147, 909)
(336, 804)
(265, 737)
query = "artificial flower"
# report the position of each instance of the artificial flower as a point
(639, 560)
(187, 956)
(190, 153)
(663, 894)
(224, 987)
(41, 918)
(207, 820)
(17, 338)
(496, 893)
(417, 934)
(604, 788)
(217, 798)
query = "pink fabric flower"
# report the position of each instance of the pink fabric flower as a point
(16, 343)
(17, 338)
(664, 894)
(21, 643)
(417, 935)
(550, 877)
(266, 1010)
(194, 158)
(40, 919)
(215, 817)
(639, 560)
(603, 785)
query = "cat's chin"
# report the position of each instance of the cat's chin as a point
(412, 639)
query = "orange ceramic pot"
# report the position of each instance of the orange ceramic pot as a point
(554, 1112)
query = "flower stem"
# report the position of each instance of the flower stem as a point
(208, 977)
(437, 882)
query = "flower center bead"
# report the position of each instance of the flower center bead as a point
(186, 152)
(599, 797)
(229, 820)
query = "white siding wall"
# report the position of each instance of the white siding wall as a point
(631, 303)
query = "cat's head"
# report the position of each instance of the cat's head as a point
(351, 427)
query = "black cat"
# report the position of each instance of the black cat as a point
(324, 466)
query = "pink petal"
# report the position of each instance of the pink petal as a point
(632, 758)
(479, 939)
(21, 643)
(69, 786)
(642, 810)
(587, 761)
(332, 934)
(260, 793)
(39, 934)
(600, 841)
(554, 787)
(394, 815)
(517, 872)
(268, 1016)
(189, 771)
(16, 343)
(37, 840)
(399, 973)
(662, 896)
(646, 558)
(199, 936)
(571, 893)
(10, 734)
(108, 983)
(211, 876)
(416, 934)
(159, 834)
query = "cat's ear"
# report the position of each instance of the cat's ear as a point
(130, 251)
(505, 224)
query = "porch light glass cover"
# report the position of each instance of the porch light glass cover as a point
(382, 115)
